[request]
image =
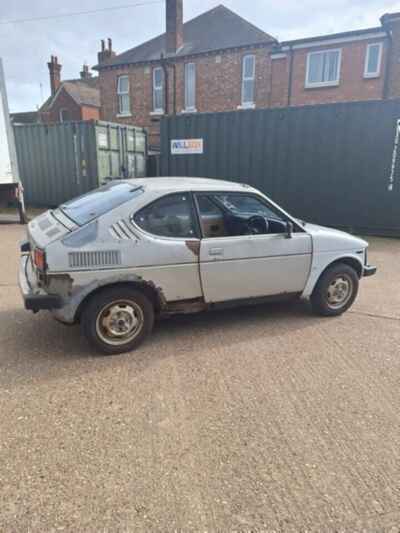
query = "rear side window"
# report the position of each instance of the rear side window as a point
(96, 203)
(171, 216)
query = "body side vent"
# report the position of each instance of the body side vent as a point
(123, 231)
(104, 258)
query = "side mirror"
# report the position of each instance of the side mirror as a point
(289, 229)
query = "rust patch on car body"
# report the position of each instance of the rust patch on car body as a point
(194, 246)
(59, 284)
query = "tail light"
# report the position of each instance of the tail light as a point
(39, 258)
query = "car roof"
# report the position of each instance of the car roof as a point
(177, 184)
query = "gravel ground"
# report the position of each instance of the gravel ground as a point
(263, 418)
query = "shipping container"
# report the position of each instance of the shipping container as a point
(333, 164)
(61, 161)
(11, 192)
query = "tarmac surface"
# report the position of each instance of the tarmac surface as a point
(255, 419)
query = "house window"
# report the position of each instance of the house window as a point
(248, 80)
(64, 115)
(373, 59)
(323, 68)
(124, 105)
(158, 90)
(190, 87)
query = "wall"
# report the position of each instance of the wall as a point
(64, 101)
(140, 82)
(279, 81)
(218, 87)
(90, 113)
(219, 75)
(352, 86)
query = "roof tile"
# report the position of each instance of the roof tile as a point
(217, 29)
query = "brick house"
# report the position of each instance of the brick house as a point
(219, 62)
(76, 99)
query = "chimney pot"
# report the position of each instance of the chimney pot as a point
(105, 53)
(85, 74)
(55, 74)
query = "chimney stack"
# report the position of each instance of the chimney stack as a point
(55, 74)
(174, 23)
(85, 74)
(105, 53)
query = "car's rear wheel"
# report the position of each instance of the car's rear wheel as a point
(335, 291)
(117, 320)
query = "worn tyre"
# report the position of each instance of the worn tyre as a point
(335, 291)
(117, 320)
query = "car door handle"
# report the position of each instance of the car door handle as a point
(215, 251)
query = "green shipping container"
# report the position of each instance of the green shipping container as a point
(61, 161)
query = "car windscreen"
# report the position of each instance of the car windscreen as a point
(92, 205)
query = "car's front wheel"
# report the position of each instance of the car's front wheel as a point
(117, 320)
(335, 291)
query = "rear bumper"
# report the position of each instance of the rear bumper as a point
(34, 298)
(369, 271)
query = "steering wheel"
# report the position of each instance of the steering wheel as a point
(257, 225)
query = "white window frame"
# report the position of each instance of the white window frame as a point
(331, 83)
(158, 111)
(248, 105)
(377, 73)
(120, 94)
(60, 114)
(192, 108)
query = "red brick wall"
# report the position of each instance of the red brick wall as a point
(218, 87)
(90, 113)
(63, 101)
(279, 82)
(76, 112)
(219, 81)
(352, 85)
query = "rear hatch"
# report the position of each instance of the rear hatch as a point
(49, 227)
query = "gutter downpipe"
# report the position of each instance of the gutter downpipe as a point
(385, 92)
(174, 99)
(164, 65)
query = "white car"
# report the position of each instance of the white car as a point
(119, 256)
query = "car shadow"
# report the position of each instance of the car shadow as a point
(37, 346)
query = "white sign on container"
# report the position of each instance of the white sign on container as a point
(187, 146)
(102, 140)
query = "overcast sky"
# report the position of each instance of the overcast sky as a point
(26, 47)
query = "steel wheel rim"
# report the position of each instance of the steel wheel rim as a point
(339, 291)
(119, 322)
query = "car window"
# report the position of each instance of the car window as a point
(236, 214)
(92, 205)
(246, 205)
(171, 216)
(212, 218)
